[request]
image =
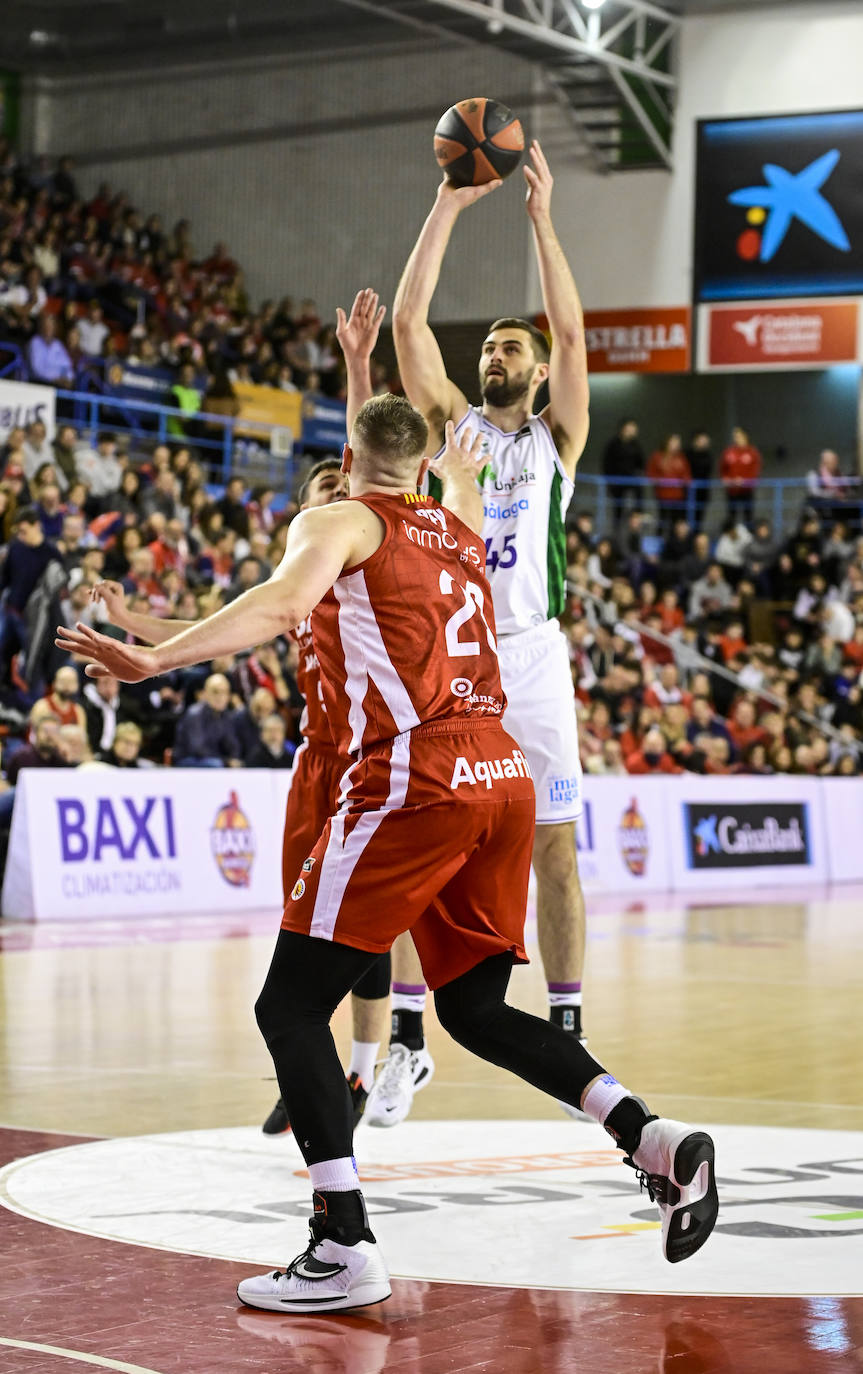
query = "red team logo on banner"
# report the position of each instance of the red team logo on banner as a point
(233, 843)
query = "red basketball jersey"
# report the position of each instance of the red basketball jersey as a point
(314, 724)
(408, 636)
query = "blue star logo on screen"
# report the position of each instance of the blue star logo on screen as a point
(706, 838)
(787, 197)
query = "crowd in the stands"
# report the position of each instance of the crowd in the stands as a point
(83, 279)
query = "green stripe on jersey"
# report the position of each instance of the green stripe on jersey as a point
(556, 550)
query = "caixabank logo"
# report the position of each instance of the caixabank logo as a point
(779, 207)
(747, 834)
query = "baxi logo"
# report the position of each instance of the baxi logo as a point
(634, 839)
(233, 843)
(787, 197)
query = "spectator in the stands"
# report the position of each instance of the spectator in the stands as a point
(49, 509)
(652, 757)
(829, 491)
(261, 515)
(63, 456)
(61, 700)
(162, 497)
(43, 752)
(694, 565)
(700, 457)
(249, 719)
(711, 593)
(48, 359)
(730, 551)
(665, 689)
(206, 736)
(27, 557)
(759, 554)
(24, 301)
(93, 331)
(74, 746)
(101, 708)
(186, 397)
(668, 469)
(36, 449)
(99, 468)
(740, 469)
(125, 747)
(705, 721)
(272, 750)
(623, 459)
(235, 516)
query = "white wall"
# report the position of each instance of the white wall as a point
(629, 235)
(307, 210)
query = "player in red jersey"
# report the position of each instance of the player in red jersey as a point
(433, 834)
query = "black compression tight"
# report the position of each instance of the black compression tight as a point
(308, 979)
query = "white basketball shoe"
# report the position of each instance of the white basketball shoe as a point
(675, 1164)
(327, 1277)
(404, 1073)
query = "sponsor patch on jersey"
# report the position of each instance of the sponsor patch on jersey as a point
(299, 890)
(308, 865)
(488, 771)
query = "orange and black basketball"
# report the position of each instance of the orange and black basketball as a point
(478, 141)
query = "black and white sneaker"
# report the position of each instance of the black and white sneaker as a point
(675, 1164)
(404, 1073)
(277, 1122)
(326, 1277)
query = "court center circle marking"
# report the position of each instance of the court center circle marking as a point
(531, 1204)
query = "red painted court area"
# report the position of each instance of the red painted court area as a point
(97, 1301)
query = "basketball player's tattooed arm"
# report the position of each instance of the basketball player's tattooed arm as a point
(320, 543)
(358, 334)
(569, 395)
(421, 365)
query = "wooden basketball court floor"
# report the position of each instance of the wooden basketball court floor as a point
(138, 1188)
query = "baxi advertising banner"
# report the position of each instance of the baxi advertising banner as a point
(22, 403)
(779, 207)
(108, 842)
(763, 335)
(729, 833)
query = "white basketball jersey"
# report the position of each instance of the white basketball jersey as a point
(526, 492)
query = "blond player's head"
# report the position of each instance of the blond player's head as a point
(388, 442)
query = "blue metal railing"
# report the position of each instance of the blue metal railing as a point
(705, 504)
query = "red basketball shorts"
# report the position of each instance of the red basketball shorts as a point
(313, 798)
(434, 836)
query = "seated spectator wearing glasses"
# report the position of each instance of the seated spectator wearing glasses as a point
(206, 734)
(652, 757)
(125, 747)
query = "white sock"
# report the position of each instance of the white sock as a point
(364, 1055)
(603, 1097)
(335, 1175)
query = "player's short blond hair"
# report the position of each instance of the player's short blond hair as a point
(390, 432)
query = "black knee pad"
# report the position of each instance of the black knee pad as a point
(375, 982)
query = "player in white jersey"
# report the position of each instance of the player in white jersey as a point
(527, 484)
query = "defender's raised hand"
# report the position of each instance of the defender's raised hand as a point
(358, 333)
(462, 458)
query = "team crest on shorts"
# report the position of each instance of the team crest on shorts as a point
(299, 889)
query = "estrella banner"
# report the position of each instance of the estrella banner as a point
(653, 339)
(779, 207)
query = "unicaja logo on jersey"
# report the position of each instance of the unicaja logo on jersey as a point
(232, 841)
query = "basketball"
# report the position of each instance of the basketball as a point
(477, 141)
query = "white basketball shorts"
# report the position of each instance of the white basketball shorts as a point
(540, 714)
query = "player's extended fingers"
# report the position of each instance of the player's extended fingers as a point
(480, 191)
(341, 321)
(97, 670)
(539, 158)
